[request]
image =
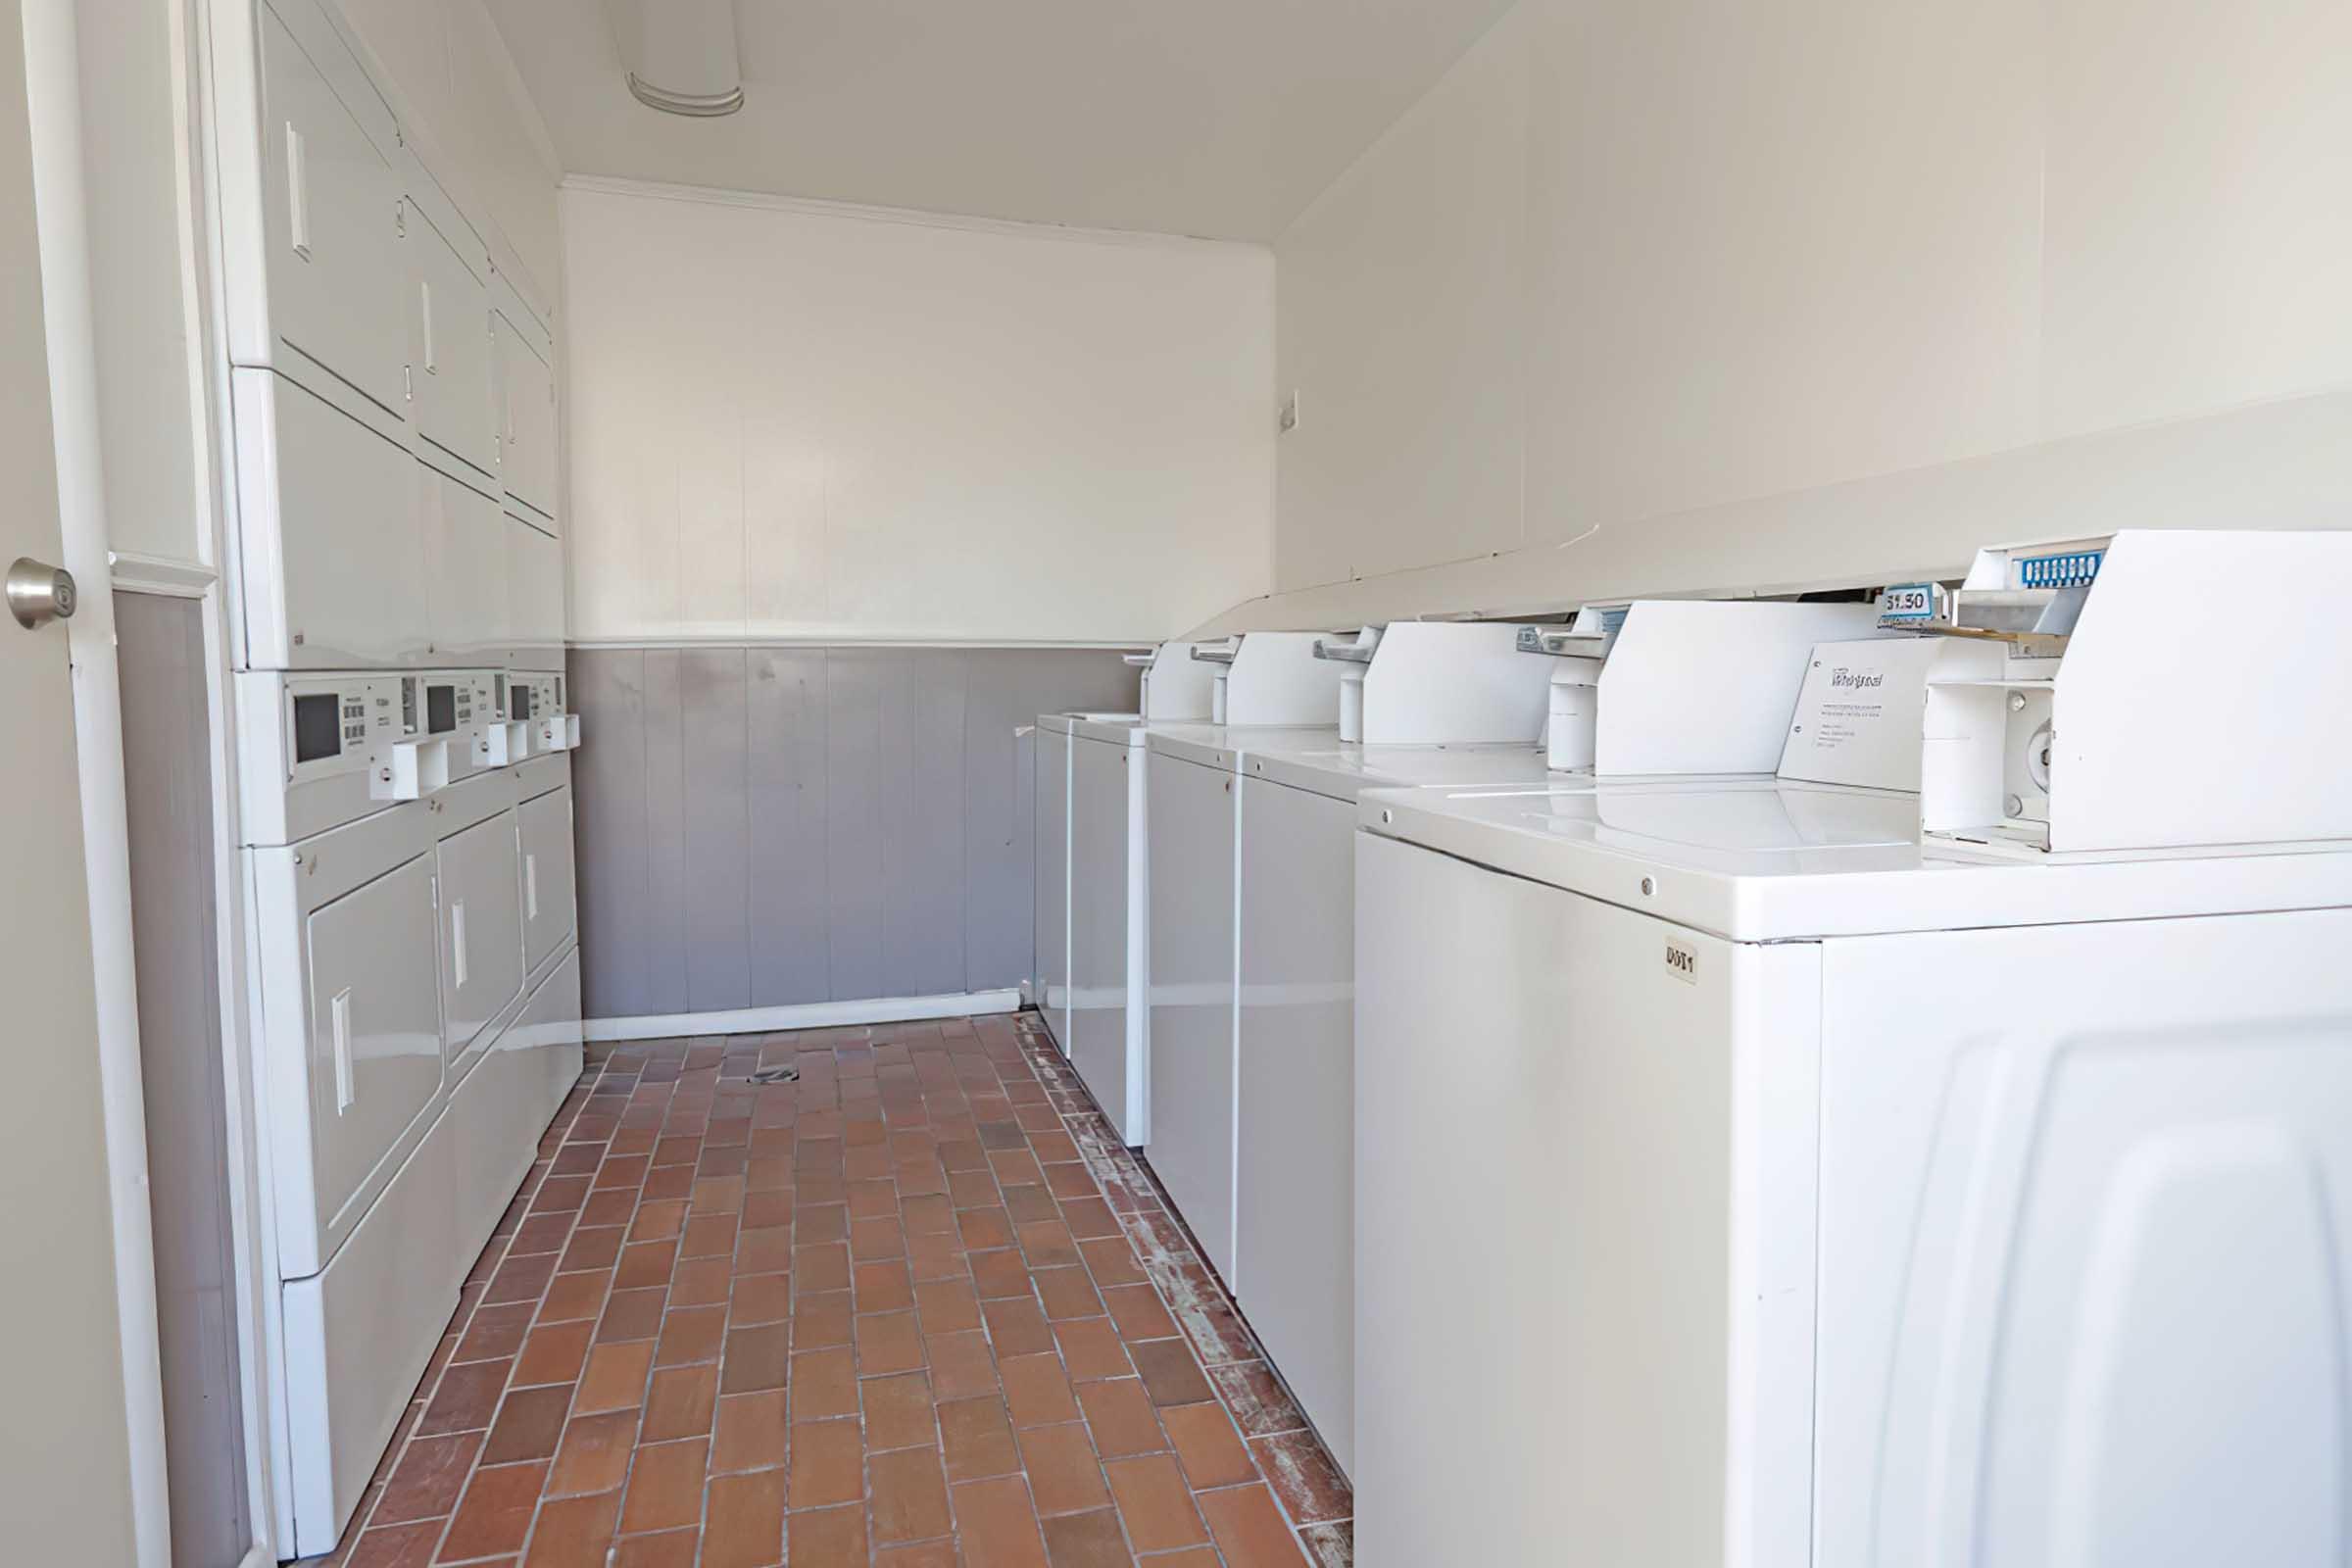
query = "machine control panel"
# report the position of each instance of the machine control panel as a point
(333, 748)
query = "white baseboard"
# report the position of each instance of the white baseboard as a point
(804, 1015)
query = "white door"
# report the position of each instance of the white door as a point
(65, 1466)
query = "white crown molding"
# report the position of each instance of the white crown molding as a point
(814, 207)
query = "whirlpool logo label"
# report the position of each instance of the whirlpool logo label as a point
(1856, 680)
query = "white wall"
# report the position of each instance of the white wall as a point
(1781, 294)
(792, 420)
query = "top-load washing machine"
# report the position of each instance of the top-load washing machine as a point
(1808, 1175)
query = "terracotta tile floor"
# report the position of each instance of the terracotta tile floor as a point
(917, 1308)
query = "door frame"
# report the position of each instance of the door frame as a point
(55, 88)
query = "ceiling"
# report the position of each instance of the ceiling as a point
(1218, 118)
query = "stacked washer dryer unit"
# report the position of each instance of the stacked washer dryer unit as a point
(1880, 1179)
(1423, 705)
(404, 780)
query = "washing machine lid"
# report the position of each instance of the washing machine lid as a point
(1223, 746)
(1761, 860)
(1343, 770)
(1067, 723)
(1120, 729)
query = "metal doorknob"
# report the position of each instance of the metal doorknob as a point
(39, 592)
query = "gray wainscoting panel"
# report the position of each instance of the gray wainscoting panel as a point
(167, 758)
(713, 703)
(790, 899)
(765, 826)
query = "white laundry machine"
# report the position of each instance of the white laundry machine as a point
(1293, 1076)
(1746, 1177)
(1433, 684)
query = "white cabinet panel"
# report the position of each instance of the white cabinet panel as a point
(372, 1063)
(465, 569)
(336, 259)
(450, 349)
(481, 929)
(333, 575)
(547, 877)
(527, 419)
(534, 597)
(1105, 1040)
(1295, 1092)
(357, 1337)
(1053, 889)
(1191, 1069)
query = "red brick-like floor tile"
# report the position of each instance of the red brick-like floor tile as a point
(1036, 1390)
(997, 1526)
(935, 1256)
(888, 1343)
(1155, 1502)
(575, 1298)
(1138, 1311)
(665, 1487)
(1090, 1347)
(466, 1399)
(947, 1306)
(828, 1464)
(759, 1299)
(1086, 1541)
(671, 1548)
(614, 1377)
(552, 1353)
(927, 1216)
(495, 1332)
(961, 1367)
(984, 1230)
(823, 1266)
(821, 1319)
(1089, 1217)
(997, 1274)
(749, 1431)
(427, 1481)
(528, 1426)
(976, 1439)
(909, 1496)
(395, 1546)
(826, 1536)
(496, 1514)
(899, 1412)
(1016, 1326)
(922, 1554)
(1249, 1529)
(592, 1249)
(822, 1222)
(1065, 1476)
(691, 1334)
(644, 1263)
(746, 1523)
(823, 1384)
(1211, 1451)
(701, 1282)
(632, 1316)
(1047, 1244)
(882, 1287)
(1170, 1374)
(658, 1221)
(572, 1531)
(678, 1403)
(1068, 1292)
(593, 1455)
(1119, 1415)
(756, 1359)
(765, 1251)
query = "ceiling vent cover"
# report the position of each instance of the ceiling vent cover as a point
(680, 55)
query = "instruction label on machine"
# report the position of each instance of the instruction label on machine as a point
(1857, 719)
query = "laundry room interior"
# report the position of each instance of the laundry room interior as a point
(1343, 784)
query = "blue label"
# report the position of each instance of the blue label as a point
(2077, 568)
